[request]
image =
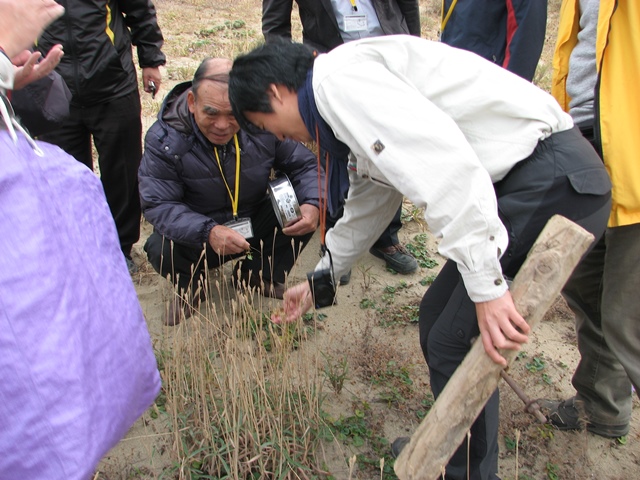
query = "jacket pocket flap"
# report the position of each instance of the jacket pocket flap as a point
(594, 181)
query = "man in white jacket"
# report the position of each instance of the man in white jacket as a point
(488, 155)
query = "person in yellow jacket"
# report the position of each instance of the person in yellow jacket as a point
(596, 68)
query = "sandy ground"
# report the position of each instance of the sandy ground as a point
(352, 331)
(575, 455)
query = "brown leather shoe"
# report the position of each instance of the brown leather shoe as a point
(179, 308)
(176, 310)
(267, 288)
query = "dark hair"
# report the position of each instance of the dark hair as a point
(280, 63)
(201, 76)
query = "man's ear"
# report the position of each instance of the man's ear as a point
(191, 101)
(274, 92)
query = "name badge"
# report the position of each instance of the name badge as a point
(355, 23)
(242, 226)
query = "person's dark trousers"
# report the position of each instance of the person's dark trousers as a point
(116, 129)
(563, 176)
(601, 382)
(273, 253)
(387, 238)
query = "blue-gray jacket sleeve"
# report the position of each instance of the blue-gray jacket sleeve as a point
(161, 197)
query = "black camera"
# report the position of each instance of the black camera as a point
(323, 288)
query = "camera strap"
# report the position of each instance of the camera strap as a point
(323, 195)
(322, 282)
(322, 192)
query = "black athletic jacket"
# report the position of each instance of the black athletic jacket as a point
(97, 36)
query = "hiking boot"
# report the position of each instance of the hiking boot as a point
(570, 415)
(397, 258)
(398, 445)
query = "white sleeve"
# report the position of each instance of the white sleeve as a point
(367, 212)
(424, 155)
(7, 72)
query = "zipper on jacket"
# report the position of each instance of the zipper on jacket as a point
(70, 46)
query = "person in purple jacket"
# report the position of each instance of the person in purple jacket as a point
(77, 367)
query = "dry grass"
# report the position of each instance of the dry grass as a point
(242, 401)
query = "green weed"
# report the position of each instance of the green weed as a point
(535, 365)
(418, 248)
(336, 373)
(552, 471)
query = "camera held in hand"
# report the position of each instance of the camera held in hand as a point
(323, 288)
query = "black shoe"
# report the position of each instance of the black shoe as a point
(131, 265)
(398, 445)
(570, 415)
(397, 257)
(346, 278)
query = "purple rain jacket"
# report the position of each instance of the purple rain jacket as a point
(76, 363)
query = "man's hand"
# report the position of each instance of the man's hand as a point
(308, 222)
(297, 301)
(22, 22)
(499, 322)
(151, 74)
(29, 70)
(226, 241)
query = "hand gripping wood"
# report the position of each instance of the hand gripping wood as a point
(549, 264)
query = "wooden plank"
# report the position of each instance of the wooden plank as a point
(551, 260)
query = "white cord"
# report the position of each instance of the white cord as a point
(12, 125)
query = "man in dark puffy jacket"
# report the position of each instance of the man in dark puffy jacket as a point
(98, 69)
(203, 182)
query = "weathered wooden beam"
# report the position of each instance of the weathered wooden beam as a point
(551, 260)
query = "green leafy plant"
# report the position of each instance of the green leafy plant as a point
(552, 471)
(411, 213)
(336, 372)
(418, 248)
(426, 281)
(353, 429)
(535, 365)
(367, 303)
(510, 443)
(426, 404)
(227, 25)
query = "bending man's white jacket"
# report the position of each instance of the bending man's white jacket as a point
(438, 125)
